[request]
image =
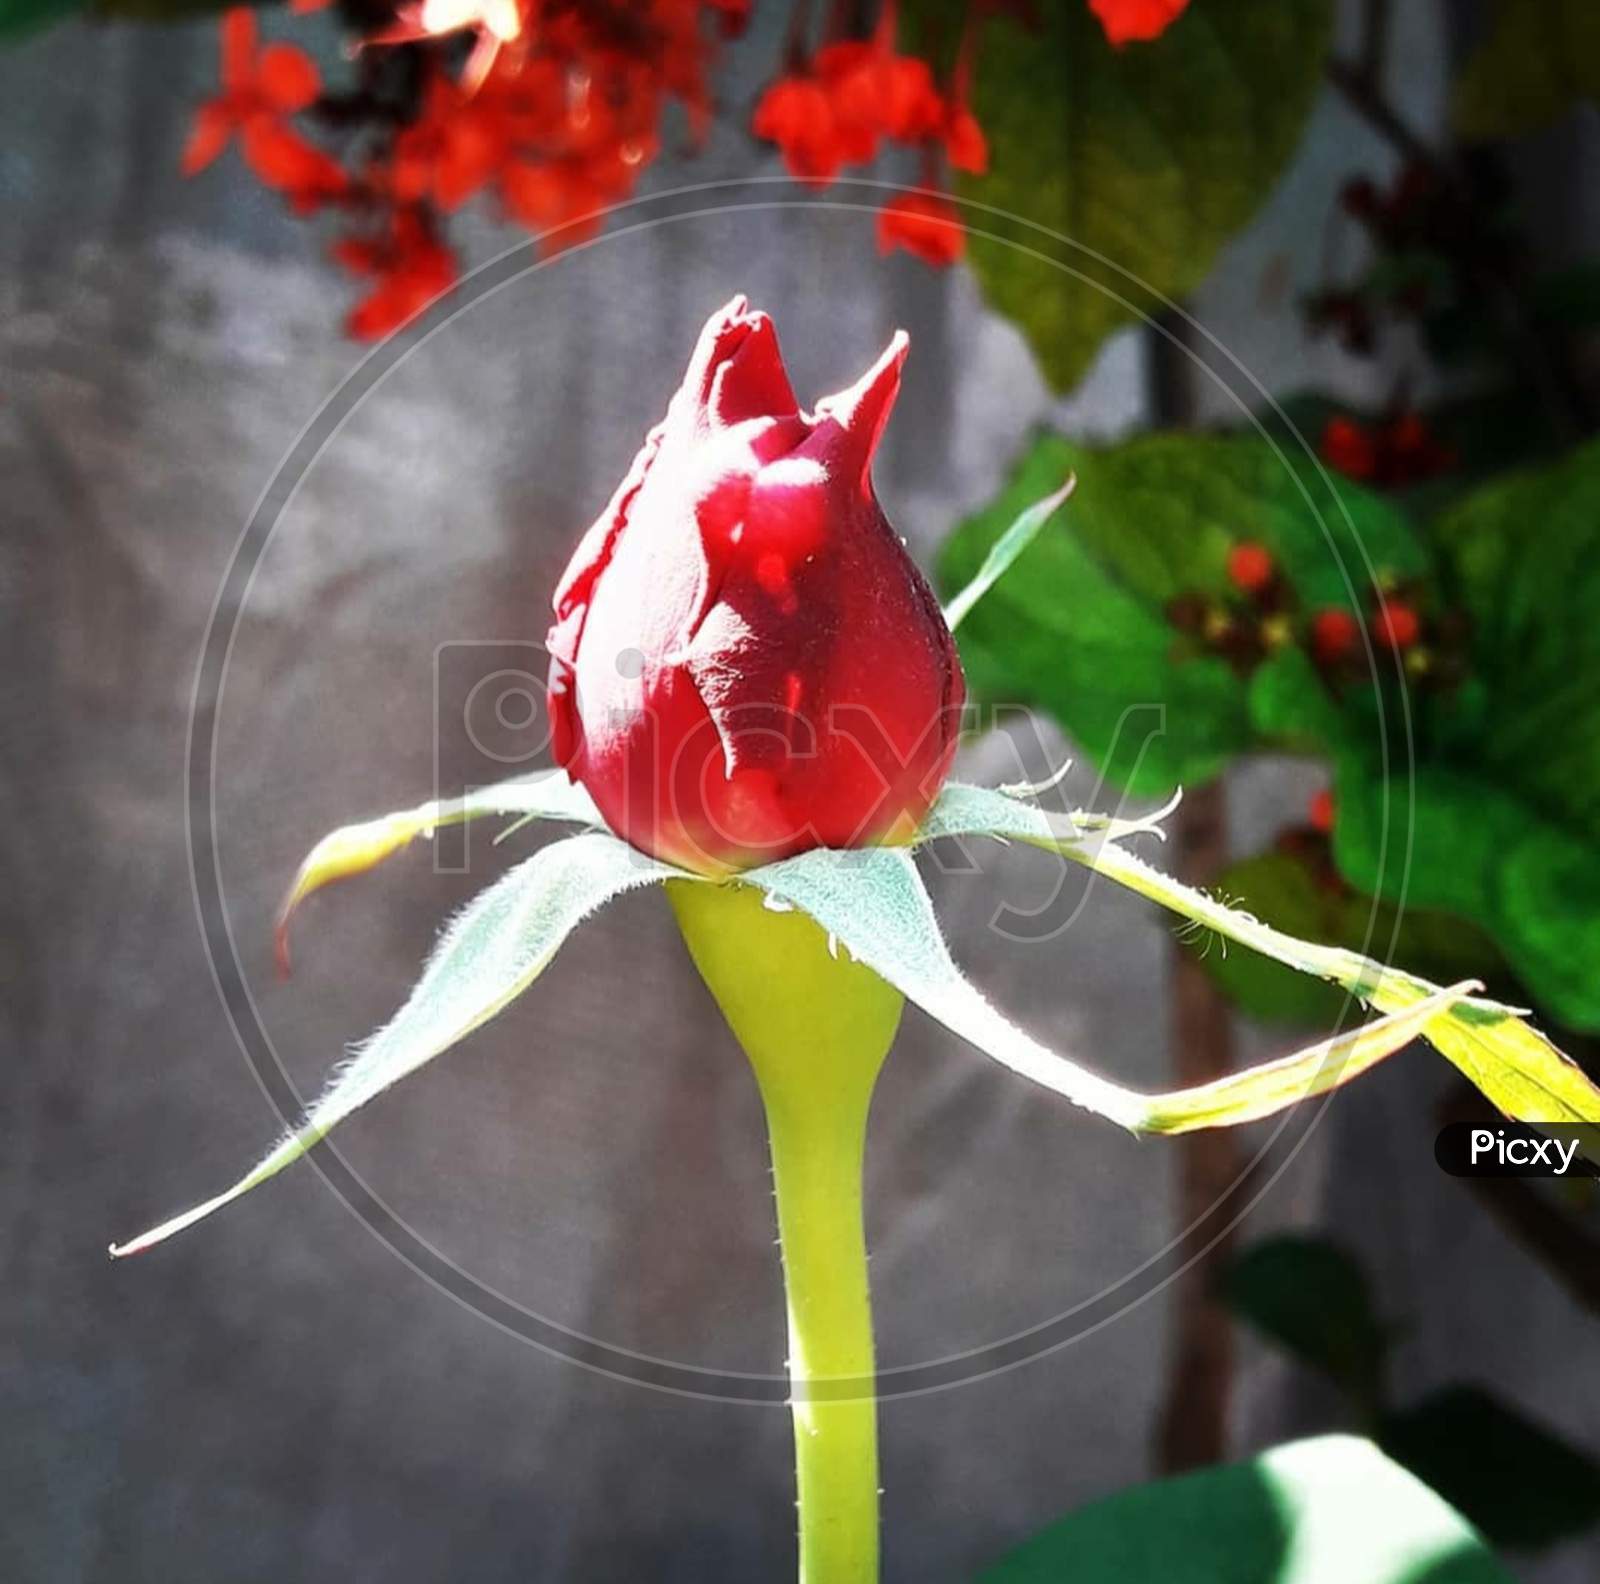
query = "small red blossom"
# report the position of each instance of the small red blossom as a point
(797, 114)
(1348, 448)
(450, 151)
(1250, 566)
(965, 146)
(839, 107)
(307, 176)
(1320, 811)
(1399, 451)
(1396, 624)
(1136, 21)
(1335, 635)
(926, 224)
(410, 267)
(880, 92)
(1414, 452)
(259, 87)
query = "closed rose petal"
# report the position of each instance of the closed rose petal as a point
(745, 662)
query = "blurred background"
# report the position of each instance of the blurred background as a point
(276, 1395)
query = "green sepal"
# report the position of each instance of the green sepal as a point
(493, 950)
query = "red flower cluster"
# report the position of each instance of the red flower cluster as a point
(557, 111)
(1336, 634)
(261, 88)
(555, 108)
(838, 107)
(1391, 454)
(408, 267)
(1264, 615)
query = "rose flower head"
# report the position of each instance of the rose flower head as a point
(745, 662)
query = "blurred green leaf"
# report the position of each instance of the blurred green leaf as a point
(1082, 628)
(1501, 823)
(1147, 158)
(1520, 1484)
(1329, 1511)
(1307, 1295)
(1538, 59)
(1300, 894)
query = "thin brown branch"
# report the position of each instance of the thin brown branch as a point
(1193, 1429)
(1567, 1253)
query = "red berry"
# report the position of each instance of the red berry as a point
(1250, 566)
(1320, 811)
(1396, 624)
(1348, 448)
(1334, 636)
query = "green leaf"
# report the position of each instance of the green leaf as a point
(1312, 1299)
(1087, 635)
(1147, 160)
(1540, 58)
(1501, 824)
(1004, 551)
(354, 849)
(1515, 1066)
(1292, 892)
(1522, 1485)
(1329, 1511)
(1453, 842)
(493, 950)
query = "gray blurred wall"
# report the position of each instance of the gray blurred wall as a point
(275, 1396)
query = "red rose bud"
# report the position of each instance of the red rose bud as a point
(1250, 566)
(745, 662)
(1320, 811)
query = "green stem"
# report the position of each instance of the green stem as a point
(818, 1138)
(816, 1027)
